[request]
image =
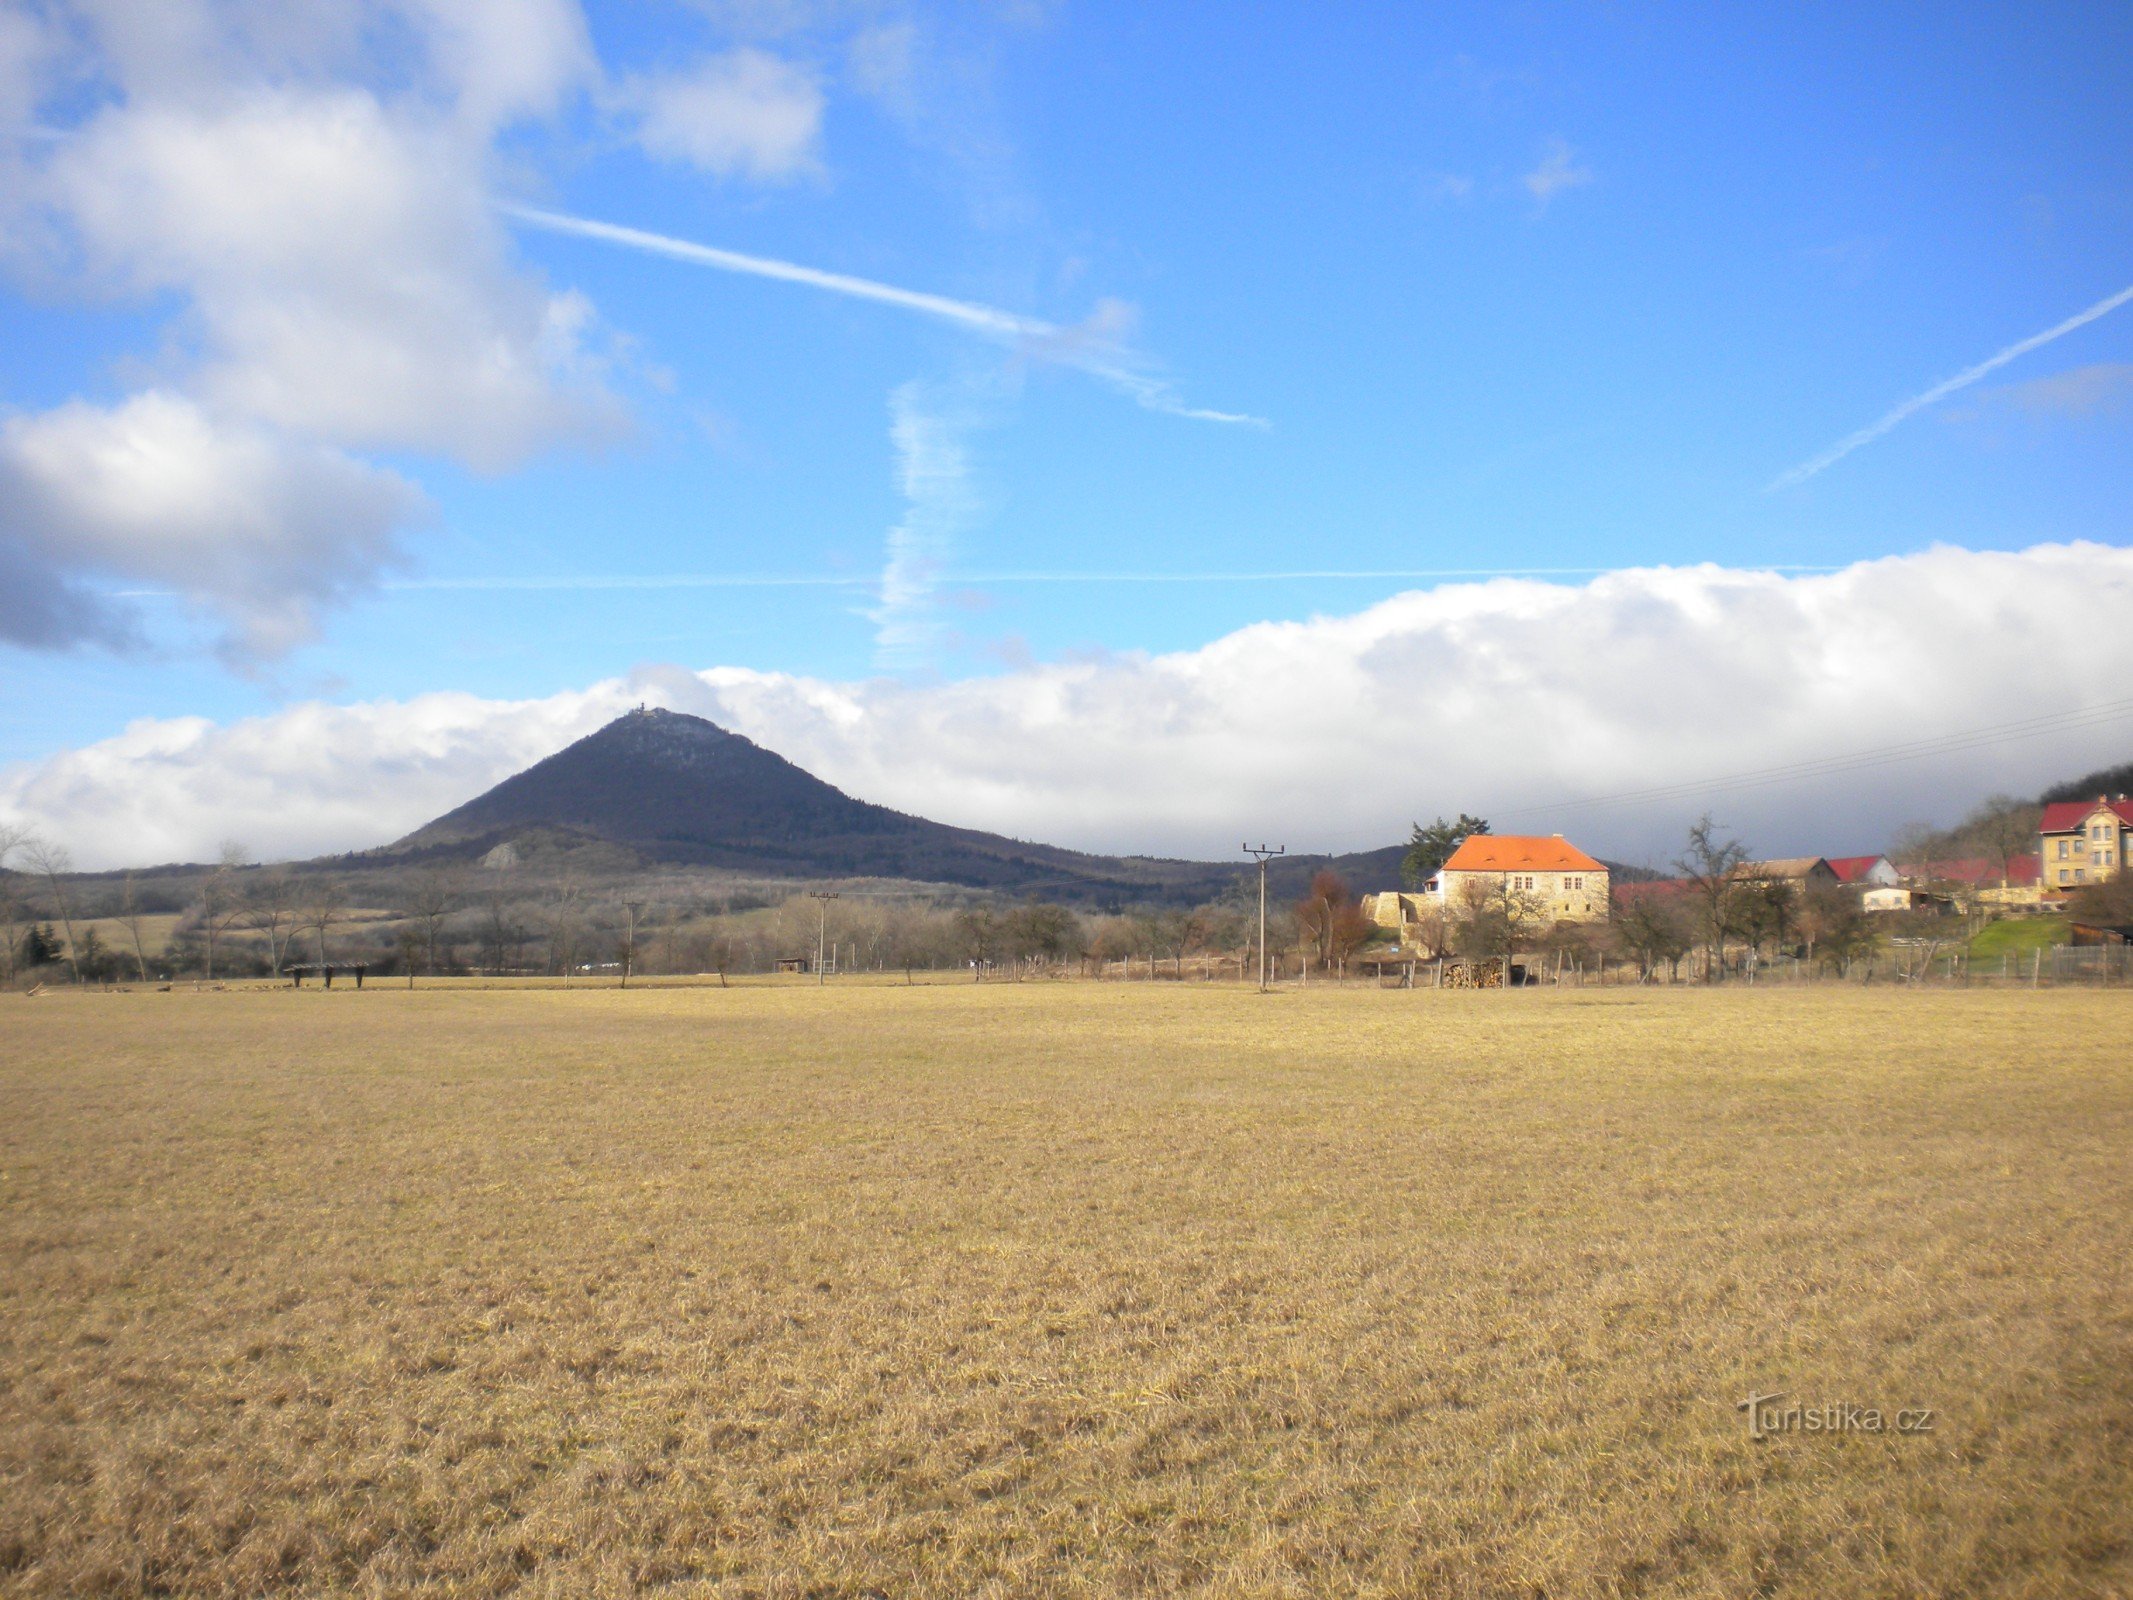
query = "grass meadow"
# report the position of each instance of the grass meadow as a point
(1063, 1289)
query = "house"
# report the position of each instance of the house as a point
(1986, 880)
(1899, 897)
(1554, 878)
(1549, 879)
(1865, 871)
(2084, 841)
(1802, 872)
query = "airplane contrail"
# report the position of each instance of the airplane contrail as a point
(1940, 391)
(1068, 346)
(824, 580)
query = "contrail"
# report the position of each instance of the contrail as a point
(1940, 391)
(824, 580)
(1068, 346)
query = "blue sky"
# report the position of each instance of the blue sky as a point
(1559, 289)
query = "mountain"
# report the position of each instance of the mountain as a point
(679, 789)
(676, 789)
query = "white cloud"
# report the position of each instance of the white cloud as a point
(346, 277)
(930, 430)
(308, 181)
(1558, 170)
(1513, 698)
(2077, 392)
(742, 113)
(260, 529)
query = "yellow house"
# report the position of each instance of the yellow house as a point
(1550, 878)
(2084, 841)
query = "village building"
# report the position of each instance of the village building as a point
(1550, 879)
(2084, 841)
(1802, 872)
(1980, 880)
(1865, 871)
(1904, 897)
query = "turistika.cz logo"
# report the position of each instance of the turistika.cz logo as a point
(1769, 1416)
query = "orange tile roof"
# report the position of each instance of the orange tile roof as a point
(1516, 852)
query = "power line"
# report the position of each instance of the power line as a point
(1857, 761)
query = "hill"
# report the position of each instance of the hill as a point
(680, 790)
(2109, 780)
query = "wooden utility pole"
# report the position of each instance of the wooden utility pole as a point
(629, 940)
(1262, 852)
(822, 901)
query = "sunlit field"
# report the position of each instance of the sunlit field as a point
(1065, 1289)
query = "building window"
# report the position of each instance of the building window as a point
(2064, 847)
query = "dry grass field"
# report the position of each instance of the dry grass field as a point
(1063, 1289)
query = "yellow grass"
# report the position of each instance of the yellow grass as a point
(1062, 1289)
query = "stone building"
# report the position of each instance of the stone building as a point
(1551, 878)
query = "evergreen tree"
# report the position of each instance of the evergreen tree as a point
(1432, 846)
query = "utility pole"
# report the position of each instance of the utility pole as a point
(629, 942)
(1262, 852)
(822, 912)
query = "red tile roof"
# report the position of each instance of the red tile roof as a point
(2065, 816)
(1850, 869)
(1978, 871)
(1514, 852)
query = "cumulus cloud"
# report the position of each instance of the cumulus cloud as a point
(743, 112)
(346, 278)
(307, 180)
(257, 527)
(1515, 698)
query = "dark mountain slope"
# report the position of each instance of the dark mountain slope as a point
(679, 789)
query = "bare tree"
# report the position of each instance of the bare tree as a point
(130, 914)
(1712, 866)
(977, 931)
(718, 954)
(270, 906)
(409, 940)
(563, 923)
(1654, 926)
(221, 900)
(435, 897)
(12, 838)
(2007, 827)
(52, 862)
(324, 906)
(1917, 848)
